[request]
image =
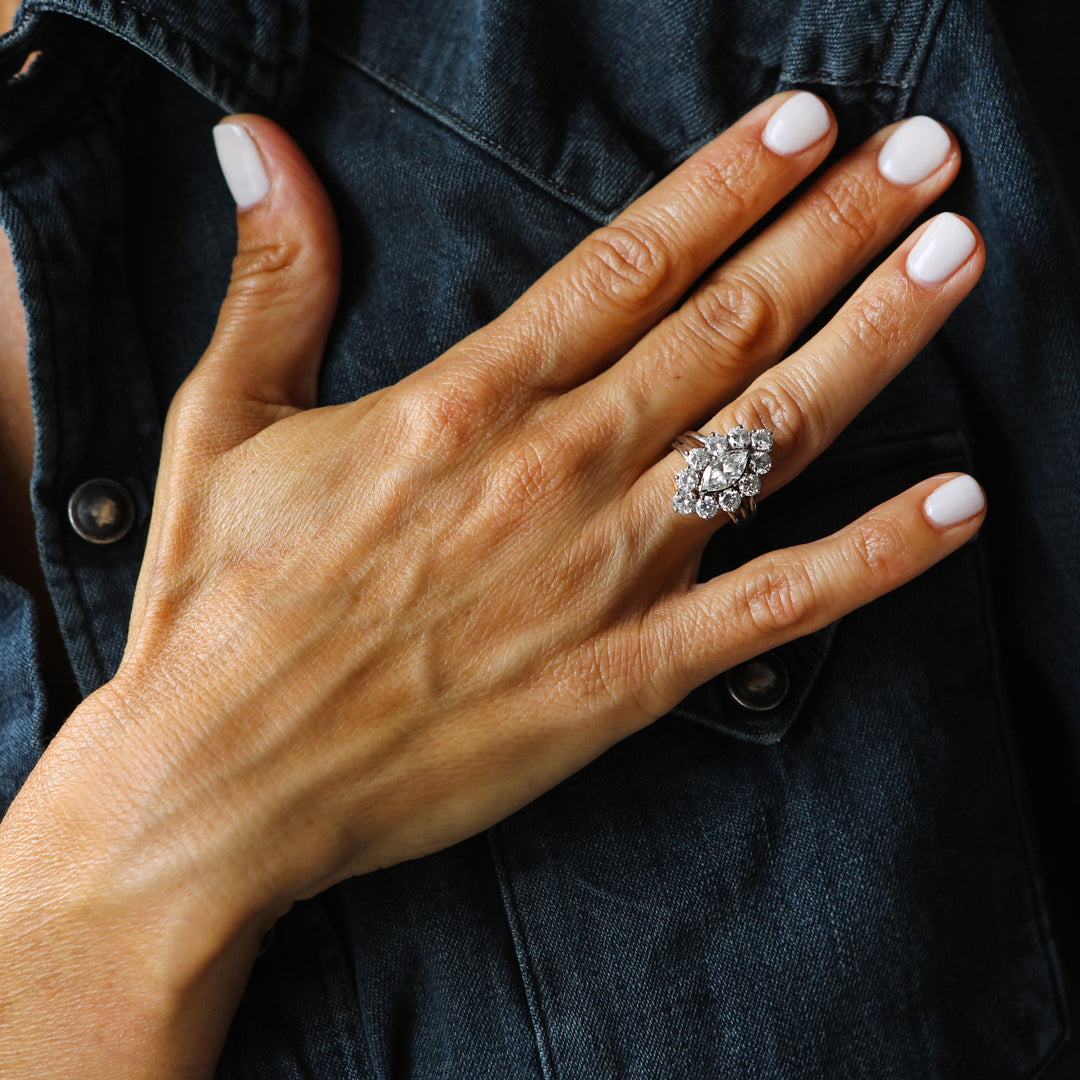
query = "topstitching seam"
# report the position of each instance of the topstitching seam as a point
(236, 87)
(460, 127)
(917, 49)
(565, 195)
(827, 78)
(524, 957)
(889, 34)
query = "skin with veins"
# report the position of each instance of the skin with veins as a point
(19, 559)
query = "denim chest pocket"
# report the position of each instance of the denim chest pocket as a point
(758, 701)
(854, 891)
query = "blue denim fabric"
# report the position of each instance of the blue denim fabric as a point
(870, 880)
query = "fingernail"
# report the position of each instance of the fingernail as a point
(241, 164)
(956, 500)
(797, 124)
(917, 148)
(942, 249)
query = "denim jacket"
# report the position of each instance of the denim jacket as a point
(848, 858)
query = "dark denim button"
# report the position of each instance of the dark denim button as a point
(101, 511)
(759, 684)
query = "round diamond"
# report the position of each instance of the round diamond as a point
(684, 502)
(731, 500)
(716, 444)
(699, 458)
(686, 479)
(750, 484)
(760, 463)
(707, 506)
(761, 439)
(739, 437)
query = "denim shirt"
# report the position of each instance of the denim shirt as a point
(865, 876)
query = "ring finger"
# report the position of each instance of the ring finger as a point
(807, 399)
(752, 307)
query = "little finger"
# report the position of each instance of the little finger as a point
(697, 633)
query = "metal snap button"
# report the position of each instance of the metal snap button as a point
(759, 684)
(101, 510)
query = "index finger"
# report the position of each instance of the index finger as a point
(622, 278)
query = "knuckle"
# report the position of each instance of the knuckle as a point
(877, 548)
(727, 177)
(269, 265)
(792, 411)
(530, 477)
(849, 206)
(442, 421)
(776, 597)
(879, 323)
(541, 473)
(626, 262)
(732, 316)
(197, 424)
(189, 408)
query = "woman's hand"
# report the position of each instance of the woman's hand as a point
(364, 632)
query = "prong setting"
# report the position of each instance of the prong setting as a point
(721, 471)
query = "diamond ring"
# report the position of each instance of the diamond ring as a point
(723, 472)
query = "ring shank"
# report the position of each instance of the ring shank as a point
(744, 515)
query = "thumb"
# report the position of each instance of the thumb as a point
(263, 361)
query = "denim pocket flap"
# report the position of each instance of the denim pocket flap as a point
(758, 701)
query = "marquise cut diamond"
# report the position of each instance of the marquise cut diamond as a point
(725, 472)
(712, 479)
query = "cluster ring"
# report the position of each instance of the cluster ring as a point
(722, 472)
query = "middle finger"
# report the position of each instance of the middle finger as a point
(743, 317)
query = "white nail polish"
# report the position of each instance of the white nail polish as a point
(797, 124)
(241, 164)
(942, 249)
(956, 500)
(917, 148)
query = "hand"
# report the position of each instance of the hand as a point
(364, 632)
(374, 629)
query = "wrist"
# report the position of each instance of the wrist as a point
(93, 988)
(123, 940)
(118, 799)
